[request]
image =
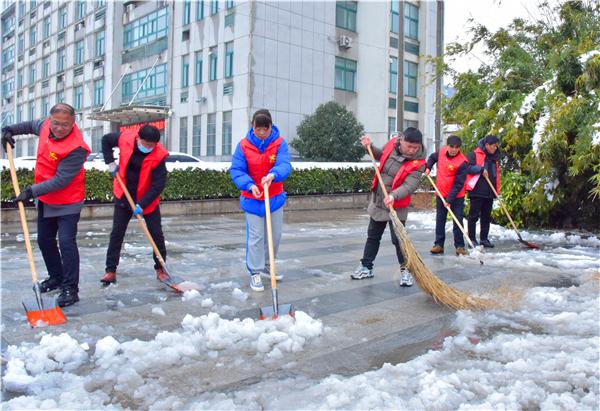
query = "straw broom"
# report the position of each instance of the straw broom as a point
(441, 292)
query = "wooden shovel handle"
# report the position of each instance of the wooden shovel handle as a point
(270, 237)
(502, 204)
(385, 193)
(15, 183)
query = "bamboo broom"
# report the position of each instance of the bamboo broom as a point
(441, 292)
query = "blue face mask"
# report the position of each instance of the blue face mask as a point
(144, 149)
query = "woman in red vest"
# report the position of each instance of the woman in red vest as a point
(142, 167)
(59, 191)
(401, 164)
(452, 170)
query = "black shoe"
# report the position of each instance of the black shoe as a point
(486, 243)
(50, 284)
(475, 243)
(68, 296)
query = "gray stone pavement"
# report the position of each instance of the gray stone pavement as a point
(369, 322)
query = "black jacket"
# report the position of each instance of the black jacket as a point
(482, 188)
(459, 178)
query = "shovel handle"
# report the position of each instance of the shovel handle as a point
(385, 193)
(142, 223)
(270, 239)
(502, 205)
(23, 217)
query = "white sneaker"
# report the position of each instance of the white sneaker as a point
(406, 278)
(361, 273)
(256, 283)
(267, 273)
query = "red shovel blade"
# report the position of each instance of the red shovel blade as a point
(282, 309)
(50, 314)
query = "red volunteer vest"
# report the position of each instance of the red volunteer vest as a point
(446, 171)
(405, 169)
(259, 165)
(49, 155)
(127, 142)
(473, 178)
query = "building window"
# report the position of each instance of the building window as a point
(45, 106)
(79, 9)
(391, 125)
(146, 29)
(186, 12)
(196, 135)
(345, 15)
(100, 4)
(345, 74)
(229, 20)
(183, 134)
(411, 123)
(185, 71)
(199, 9)
(60, 60)
(32, 35)
(155, 85)
(45, 67)
(99, 44)
(20, 78)
(211, 134)
(391, 103)
(46, 27)
(393, 74)
(98, 92)
(230, 4)
(31, 147)
(19, 113)
(8, 55)
(411, 21)
(78, 97)
(411, 71)
(198, 70)
(32, 74)
(31, 111)
(395, 11)
(411, 106)
(226, 140)
(213, 63)
(97, 139)
(21, 43)
(229, 59)
(62, 18)
(79, 52)
(214, 7)
(60, 96)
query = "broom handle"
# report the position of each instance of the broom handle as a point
(502, 204)
(142, 222)
(450, 211)
(15, 183)
(270, 237)
(385, 193)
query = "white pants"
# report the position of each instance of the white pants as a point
(257, 246)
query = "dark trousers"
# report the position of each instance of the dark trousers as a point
(121, 218)
(481, 207)
(62, 258)
(457, 207)
(374, 234)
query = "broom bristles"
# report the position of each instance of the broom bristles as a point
(429, 282)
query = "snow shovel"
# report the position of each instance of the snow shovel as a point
(525, 243)
(458, 224)
(274, 311)
(175, 283)
(42, 311)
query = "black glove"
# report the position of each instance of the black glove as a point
(25, 195)
(7, 137)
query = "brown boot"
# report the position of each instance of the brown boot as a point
(461, 251)
(436, 249)
(109, 278)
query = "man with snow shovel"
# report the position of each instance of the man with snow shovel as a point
(143, 170)
(59, 191)
(401, 164)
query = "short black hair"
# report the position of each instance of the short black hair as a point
(454, 141)
(491, 139)
(413, 135)
(62, 108)
(149, 133)
(262, 118)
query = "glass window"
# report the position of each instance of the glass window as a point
(199, 9)
(211, 134)
(78, 97)
(99, 4)
(80, 9)
(99, 93)
(155, 85)
(229, 59)
(8, 55)
(60, 60)
(19, 113)
(230, 4)
(185, 71)
(214, 7)
(213, 63)
(60, 96)
(411, 71)
(20, 78)
(62, 17)
(395, 11)
(32, 74)
(186, 12)
(31, 111)
(391, 125)
(99, 44)
(411, 123)
(198, 70)
(31, 146)
(393, 74)
(196, 135)
(32, 35)
(146, 29)
(45, 67)
(21, 43)
(226, 140)
(345, 74)
(46, 27)
(183, 134)
(411, 21)
(45, 106)
(345, 14)
(79, 52)
(97, 139)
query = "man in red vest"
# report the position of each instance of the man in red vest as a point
(450, 179)
(142, 167)
(482, 161)
(59, 191)
(401, 164)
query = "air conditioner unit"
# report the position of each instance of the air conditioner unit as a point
(345, 42)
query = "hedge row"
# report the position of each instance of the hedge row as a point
(196, 184)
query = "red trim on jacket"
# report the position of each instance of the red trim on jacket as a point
(480, 161)
(259, 166)
(446, 172)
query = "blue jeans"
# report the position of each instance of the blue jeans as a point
(457, 206)
(62, 265)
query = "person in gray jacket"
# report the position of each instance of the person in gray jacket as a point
(401, 164)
